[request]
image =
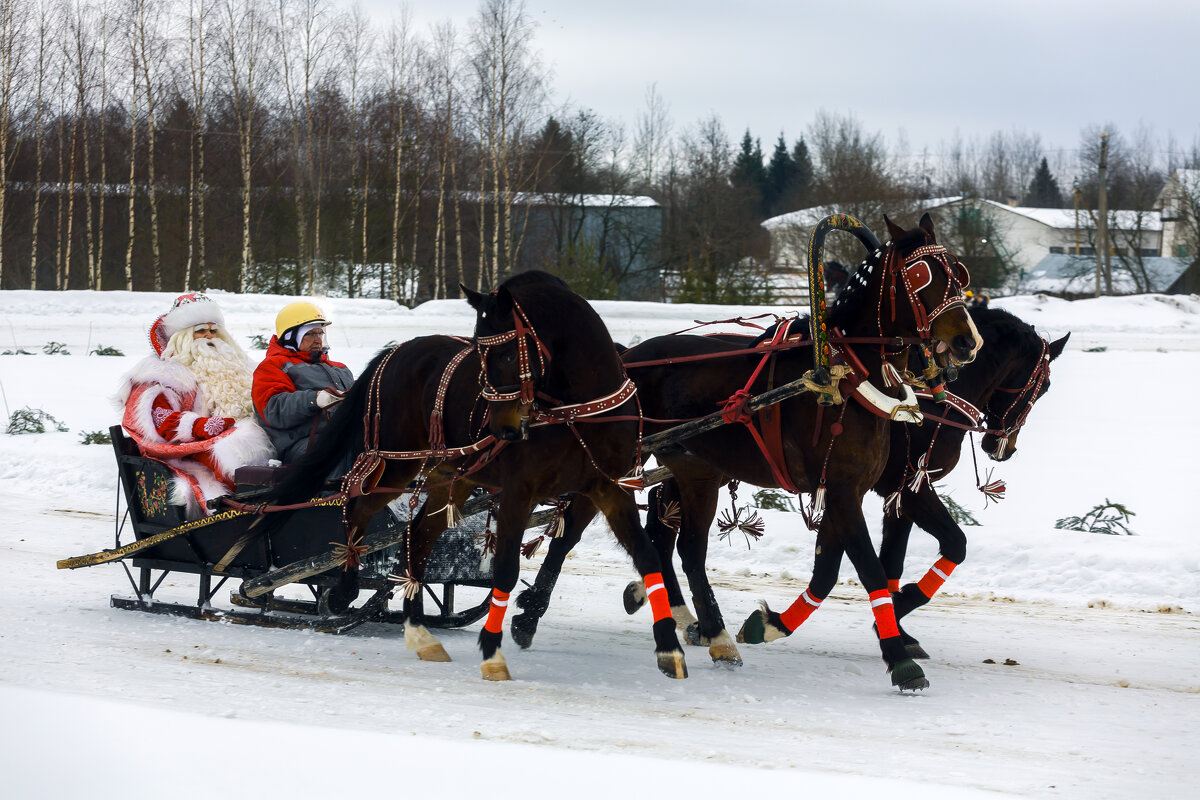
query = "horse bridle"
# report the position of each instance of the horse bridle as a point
(525, 390)
(915, 273)
(1030, 393)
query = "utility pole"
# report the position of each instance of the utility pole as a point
(1077, 217)
(1102, 222)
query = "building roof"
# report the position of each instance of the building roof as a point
(1064, 218)
(1072, 274)
(809, 217)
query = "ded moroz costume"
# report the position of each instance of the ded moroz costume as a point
(188, 405)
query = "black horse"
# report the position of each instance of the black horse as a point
(999, 389)
(543, 377)
(909, 292)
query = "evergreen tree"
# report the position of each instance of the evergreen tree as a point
(802, 191)
(1043, 189)
(749, 175)
(782, 177)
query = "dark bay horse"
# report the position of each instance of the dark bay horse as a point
(521, 408)
(909, 292)
(997, 391)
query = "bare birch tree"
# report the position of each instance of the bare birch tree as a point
(149, 54)
(12, 52)
(42, 59)
(651, 137)
(200, 13)
(244, 47)
(399, 54)
(304, 42)
(511, 93)
(355, 43)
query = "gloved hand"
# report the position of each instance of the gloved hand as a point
(328, 397)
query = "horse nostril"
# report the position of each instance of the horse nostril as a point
(964, 343)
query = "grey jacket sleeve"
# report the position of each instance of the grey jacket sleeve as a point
(289, 409)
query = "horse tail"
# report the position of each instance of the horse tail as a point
(338, 443)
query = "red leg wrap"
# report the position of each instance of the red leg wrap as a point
(656, 593)
(800, 610)
(885, 614)
(495, 617)
(893, 585)
(936, 576)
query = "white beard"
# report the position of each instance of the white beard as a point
(224, 376)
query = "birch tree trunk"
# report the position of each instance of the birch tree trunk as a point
(12, 43)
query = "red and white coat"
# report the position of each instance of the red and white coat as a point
(168, 415)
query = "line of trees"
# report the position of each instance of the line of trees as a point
(285, 145)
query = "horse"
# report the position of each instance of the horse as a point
(908, 293)
(535, 406)
(997, 390)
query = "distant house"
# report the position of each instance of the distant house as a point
(1016, 237)
(1179, 202)
(622, 231)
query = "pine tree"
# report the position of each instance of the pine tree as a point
(782, 177)
(749, 174)
(1043, 189)
(804, 175)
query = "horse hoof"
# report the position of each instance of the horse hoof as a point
(433, 652)
(634, 596)
(427, 647)
(495, 668)
(683, 618)
(914, 650)
(523, 630)
(724, 652)
(672, 664)
(907, 676)
(691, 634)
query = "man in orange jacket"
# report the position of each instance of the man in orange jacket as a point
(297, 385)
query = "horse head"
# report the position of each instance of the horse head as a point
(922, 290)
(539, 343)
(1011, 402)
(511, 357)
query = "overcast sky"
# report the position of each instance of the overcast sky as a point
(914, 70)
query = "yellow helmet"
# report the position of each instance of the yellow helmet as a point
(967, 294)
(300, 313)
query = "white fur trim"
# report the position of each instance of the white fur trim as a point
(191, 314)
(181, 491)
(246, 445)
(153, 369)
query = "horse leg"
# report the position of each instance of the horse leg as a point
(844, 516)
(929, 513)
(765, 625)
(896, 530)
(663, 536)
(511, 518)
(424, 530)
(534, 601)
(621, 512)
(698, 499)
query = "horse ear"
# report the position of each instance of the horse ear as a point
(1057, 347)
(894, 230)
(473, 297)
(926, 224)
(504, 302)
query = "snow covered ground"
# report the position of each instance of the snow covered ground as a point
(1102, 699)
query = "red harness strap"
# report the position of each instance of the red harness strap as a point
(770, 441)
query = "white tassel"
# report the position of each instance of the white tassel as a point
(923, 473)
(890, 376)
(818, 504)
(408, 586)
(892, 504)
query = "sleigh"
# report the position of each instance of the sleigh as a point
(153, 541)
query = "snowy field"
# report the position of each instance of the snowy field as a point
(1063, 664)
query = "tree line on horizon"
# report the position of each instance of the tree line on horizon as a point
(287, 146)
